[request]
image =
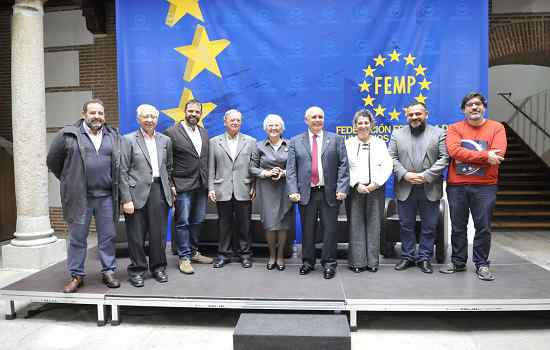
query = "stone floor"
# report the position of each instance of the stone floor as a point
(62, 326)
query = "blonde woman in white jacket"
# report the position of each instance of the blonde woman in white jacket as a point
(370, 167)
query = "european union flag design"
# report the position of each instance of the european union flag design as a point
(272, 56)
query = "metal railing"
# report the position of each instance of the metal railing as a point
(530, 122)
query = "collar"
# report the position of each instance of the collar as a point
(187, 127)
(229, 138)
(146, 136)
(88, 131)
(319, 134)
(267, 142)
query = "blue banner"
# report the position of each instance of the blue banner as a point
(273, 56)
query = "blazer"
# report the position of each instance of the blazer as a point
(228, 177)
(379, 162)
(190, 171)
(335, 167)
(136, 171)
(434, 156)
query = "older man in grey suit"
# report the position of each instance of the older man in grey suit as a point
(231, 187)
(146, 194)
(419, 158)
(318, 178)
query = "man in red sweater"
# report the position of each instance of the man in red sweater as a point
(476, 147)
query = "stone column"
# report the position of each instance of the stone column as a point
(35, 245)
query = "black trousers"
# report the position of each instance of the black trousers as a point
(151, 218)
(234, 228)
(328, 216)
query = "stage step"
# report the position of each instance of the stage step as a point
(261, 331)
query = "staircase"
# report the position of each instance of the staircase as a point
(523, 197)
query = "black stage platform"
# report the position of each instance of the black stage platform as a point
(519, 285)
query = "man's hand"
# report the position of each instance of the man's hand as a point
(494, 158)
(128, 207)
(294, 197)
(371, 187)
(414, 178)
(340, 196)
(212, 196)
(362, 188)
(174, 194)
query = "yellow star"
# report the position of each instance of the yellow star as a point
(178, 113)
(202, 54)
(364, 86)
(425, 84)
(368, 101)
(179, 8)
(379, 61)
(394, 114)
(420, 70)
(369, 72)
(421, 98)
(379, 110)
(394, 56)
(409, 59)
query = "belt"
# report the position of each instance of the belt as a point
(317, 188)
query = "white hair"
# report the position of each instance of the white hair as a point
(314, 110)
(276, 118)
(145, 109)
(231, 111)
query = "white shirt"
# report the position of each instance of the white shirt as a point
(96, 139)
(151, 145)
(380, 165)
(319, 149)
(194, 135)
(232, 143)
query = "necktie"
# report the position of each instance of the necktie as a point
(314, 162)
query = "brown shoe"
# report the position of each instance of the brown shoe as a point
(75, 283)
(110, 280)
(185, 266)
(201, 259)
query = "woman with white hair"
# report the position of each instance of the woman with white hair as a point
(370, 166)
(268, 164)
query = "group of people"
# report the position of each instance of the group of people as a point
(147, 172)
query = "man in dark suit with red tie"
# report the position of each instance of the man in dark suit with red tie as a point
(318, 179)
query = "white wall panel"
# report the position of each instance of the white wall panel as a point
(62, 69)
(64, 108)
(66, 28)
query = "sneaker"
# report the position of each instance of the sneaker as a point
(452, 268)
(484, 274)
(201, 259)
(185, 267)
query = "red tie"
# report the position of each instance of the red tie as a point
(314, 162)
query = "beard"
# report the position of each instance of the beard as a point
(418, 129)
(94, 125)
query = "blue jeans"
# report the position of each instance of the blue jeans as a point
(102, 209)
(479, 200)
(429, 216)
(189, 215)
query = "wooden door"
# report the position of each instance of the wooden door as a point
(8, 210)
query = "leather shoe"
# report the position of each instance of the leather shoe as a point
(305, 269)
(220, 262)
(280, 267)
(73, 285)
(425, 266)
(357, 269)
(110, 280)
(404, 264)
(270, 266)
(329, 273)
(372, 269)
(160, 276)
(246, 263)
(136, 280)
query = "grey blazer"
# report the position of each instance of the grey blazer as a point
(228, 177)
(432, 151)
(335, 167)
(136, 171)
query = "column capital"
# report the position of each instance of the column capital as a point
(27, 6)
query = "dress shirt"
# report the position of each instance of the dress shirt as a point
(96, 139)
(232, 143)
(194, 135)
(319, 151)
(151, 145)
